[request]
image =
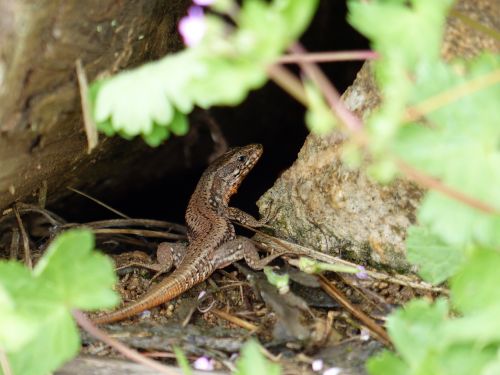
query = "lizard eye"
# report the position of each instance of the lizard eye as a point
(242, 158)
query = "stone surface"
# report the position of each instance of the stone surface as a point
(42, 142)
(320, 202)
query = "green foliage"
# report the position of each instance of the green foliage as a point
(37, 330)
(429, 341)
(451, 133)
(182, 361)
(252, 361)
(153, 100)
(437, 260)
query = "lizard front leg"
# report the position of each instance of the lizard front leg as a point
(241, 248)
(235, 214)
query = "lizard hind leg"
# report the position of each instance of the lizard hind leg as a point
(241, 248)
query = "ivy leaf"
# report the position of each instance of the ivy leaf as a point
(437, 261)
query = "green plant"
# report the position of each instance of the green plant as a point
(228, 62)
(37, 331)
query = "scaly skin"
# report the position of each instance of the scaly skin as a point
(209, 227)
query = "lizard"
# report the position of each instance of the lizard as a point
(213, 243)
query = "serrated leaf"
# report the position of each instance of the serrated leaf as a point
(414, 329)
(157, 135)
(252, 361)
(221, 70)
(436, 260)
(475, 286)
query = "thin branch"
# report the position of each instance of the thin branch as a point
(88, 121)
(132, 354)
(288, 82)
(319, 57)
(434, 184)
(335, 293)
(490, 31)
(332, 96)
(99, 202)
(24, 236)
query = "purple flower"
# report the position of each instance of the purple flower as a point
(204, 364)
(203, 3)
(193, 26)
(362, 273)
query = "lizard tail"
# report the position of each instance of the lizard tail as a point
(162, 292)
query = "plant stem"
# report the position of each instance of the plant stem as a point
(328, 57)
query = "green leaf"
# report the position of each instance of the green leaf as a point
(476, 286)
(319, 117)
(157, 135)
(16, 327)
(252, 361)
(436, 260)
(37, 330)
(77, 275)
(182, 361)
(386, 363)
(221, 70)
(414, 329)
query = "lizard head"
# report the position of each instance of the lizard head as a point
(233, 166)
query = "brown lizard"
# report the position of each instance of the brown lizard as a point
(212, 240)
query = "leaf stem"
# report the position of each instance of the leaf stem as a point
(449, 96)
(318, 57)
(84, 322)
(434, 184)
(288, 82)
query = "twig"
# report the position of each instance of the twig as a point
(451, 95)
(132, 354)
(24, 236)
(140, 232)
(88, 121)
(327, 57)
(235, 320)
(347, 118)
(334, 292)
(475, 24)
(288, 82)
(99, 202)
(132, 222)
(295, 249)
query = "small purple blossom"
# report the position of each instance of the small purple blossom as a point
(203, 3)
(362, 273)
(317, 365)
(204, 364)
(193, 26)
